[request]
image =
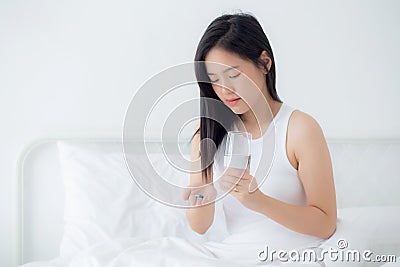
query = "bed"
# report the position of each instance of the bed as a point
(76, 195)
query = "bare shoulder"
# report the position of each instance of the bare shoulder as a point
(304, 124)
(304, 132)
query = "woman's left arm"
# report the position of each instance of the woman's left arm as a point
(318, 217)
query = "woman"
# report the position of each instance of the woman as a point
(299, 192)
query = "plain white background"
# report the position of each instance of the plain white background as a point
(70, 68)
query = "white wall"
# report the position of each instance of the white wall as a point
(70, 68)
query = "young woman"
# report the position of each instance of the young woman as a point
(299, 192)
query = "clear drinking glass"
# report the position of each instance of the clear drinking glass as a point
(237, 150)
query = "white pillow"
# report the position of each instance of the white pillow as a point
(102, 202)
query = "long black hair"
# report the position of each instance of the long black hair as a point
(242, 35)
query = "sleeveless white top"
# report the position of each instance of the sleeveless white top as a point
(276, 177)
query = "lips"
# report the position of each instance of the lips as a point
(233, 101)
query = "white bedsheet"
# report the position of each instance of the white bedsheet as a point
(373, 228)
(168, 251)
(239, 249)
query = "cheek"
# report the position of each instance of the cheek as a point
(217, 91)
(248, 91)
(255, 83)
(215, 88)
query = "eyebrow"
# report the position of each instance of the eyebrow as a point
(228, 69)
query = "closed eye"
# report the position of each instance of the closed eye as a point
(230, 76)
(234, 76)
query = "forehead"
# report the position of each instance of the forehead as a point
(217, 60)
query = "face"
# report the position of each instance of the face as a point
(238, 82)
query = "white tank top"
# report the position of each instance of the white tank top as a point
(275, 176)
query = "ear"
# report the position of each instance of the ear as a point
(267, 61)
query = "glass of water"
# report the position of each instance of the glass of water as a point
(237, 150)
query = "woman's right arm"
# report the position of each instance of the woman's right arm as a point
(199, 218)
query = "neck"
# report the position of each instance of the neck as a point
(256, 121)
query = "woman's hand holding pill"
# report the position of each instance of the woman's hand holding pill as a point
(201, 194)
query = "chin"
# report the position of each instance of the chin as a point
(238, 111)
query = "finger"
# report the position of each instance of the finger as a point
(230, 179)
(235, 190)
(192, 200)
(228, 184)
(222, 185)
(230, 187)
(186, 193)
(200, 198)
(240, 173)
(200, 201)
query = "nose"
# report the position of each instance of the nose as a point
(226, 88)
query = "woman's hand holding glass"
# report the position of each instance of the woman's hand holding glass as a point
(236, 178)
(242, 186)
